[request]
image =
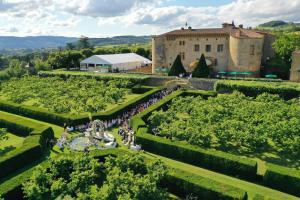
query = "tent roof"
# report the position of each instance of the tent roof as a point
(115, 59)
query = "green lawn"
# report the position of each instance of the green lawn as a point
(57, 129)
(127, 98)
(11, 143)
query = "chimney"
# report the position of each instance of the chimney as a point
(226, 25)
(241, 26)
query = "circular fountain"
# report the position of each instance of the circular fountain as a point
(94, 137)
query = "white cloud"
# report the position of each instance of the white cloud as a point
(60, 16)
(249, 12)
(103, 8)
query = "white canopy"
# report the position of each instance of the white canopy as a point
(113, 59)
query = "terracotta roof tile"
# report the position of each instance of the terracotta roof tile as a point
(235, 32)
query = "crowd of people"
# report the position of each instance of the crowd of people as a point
(125, 131)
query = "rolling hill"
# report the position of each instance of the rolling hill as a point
(39, 42)
(280, 26)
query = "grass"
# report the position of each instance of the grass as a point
(127, 98)
(13, 142)
(57, 129)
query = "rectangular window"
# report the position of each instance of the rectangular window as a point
(182, 55)
(181, 43)
(220, 48)
(208, 48)
(252, 50)
(197, 47)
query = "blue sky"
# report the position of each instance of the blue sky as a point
(106, 18)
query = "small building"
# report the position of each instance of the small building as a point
(114, 62)
(295, 69)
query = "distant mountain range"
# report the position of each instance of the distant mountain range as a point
(280, 25)
(40, 42)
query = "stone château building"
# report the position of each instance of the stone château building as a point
(228, 50)
(295, 69)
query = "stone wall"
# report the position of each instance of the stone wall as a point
(158, 53)
(202, 84)
(241, 59)
(268, 50)
(173, 48)
(295, 69)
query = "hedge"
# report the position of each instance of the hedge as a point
(200, 187)
(286, 90)
(61, 119)
(282, 178)
(35, 113)
(210, 159)
(162, 104)
(187, 182)
(214, 160)
(33, 145)
(134, 78)
(138, 89)
(254, 79)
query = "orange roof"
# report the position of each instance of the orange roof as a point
(245, 33)
(227, 31)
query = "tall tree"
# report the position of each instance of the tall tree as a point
(65, 59)
(177, 67)
(141, 51)
(70, 46)
(202, 70)
(83, 43)
(87, 53)
(286, 44)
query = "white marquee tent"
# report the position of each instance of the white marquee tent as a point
(110, 62)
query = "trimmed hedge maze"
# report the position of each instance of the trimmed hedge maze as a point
(281, 178)
(286, 90)
(215, 160)
(188, 178)
(61, 119)
(33, 147)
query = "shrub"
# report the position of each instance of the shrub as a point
(282, 178)
(177, 67)
(215, 160)
(25, 155)
(138, 89)
(202, 70)
(33, 145)
(135, 79)
(210, 159)
(187, 182)
(286, 90)
(200, 187)
(61, 119)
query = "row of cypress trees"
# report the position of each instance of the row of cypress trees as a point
(201, 71)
